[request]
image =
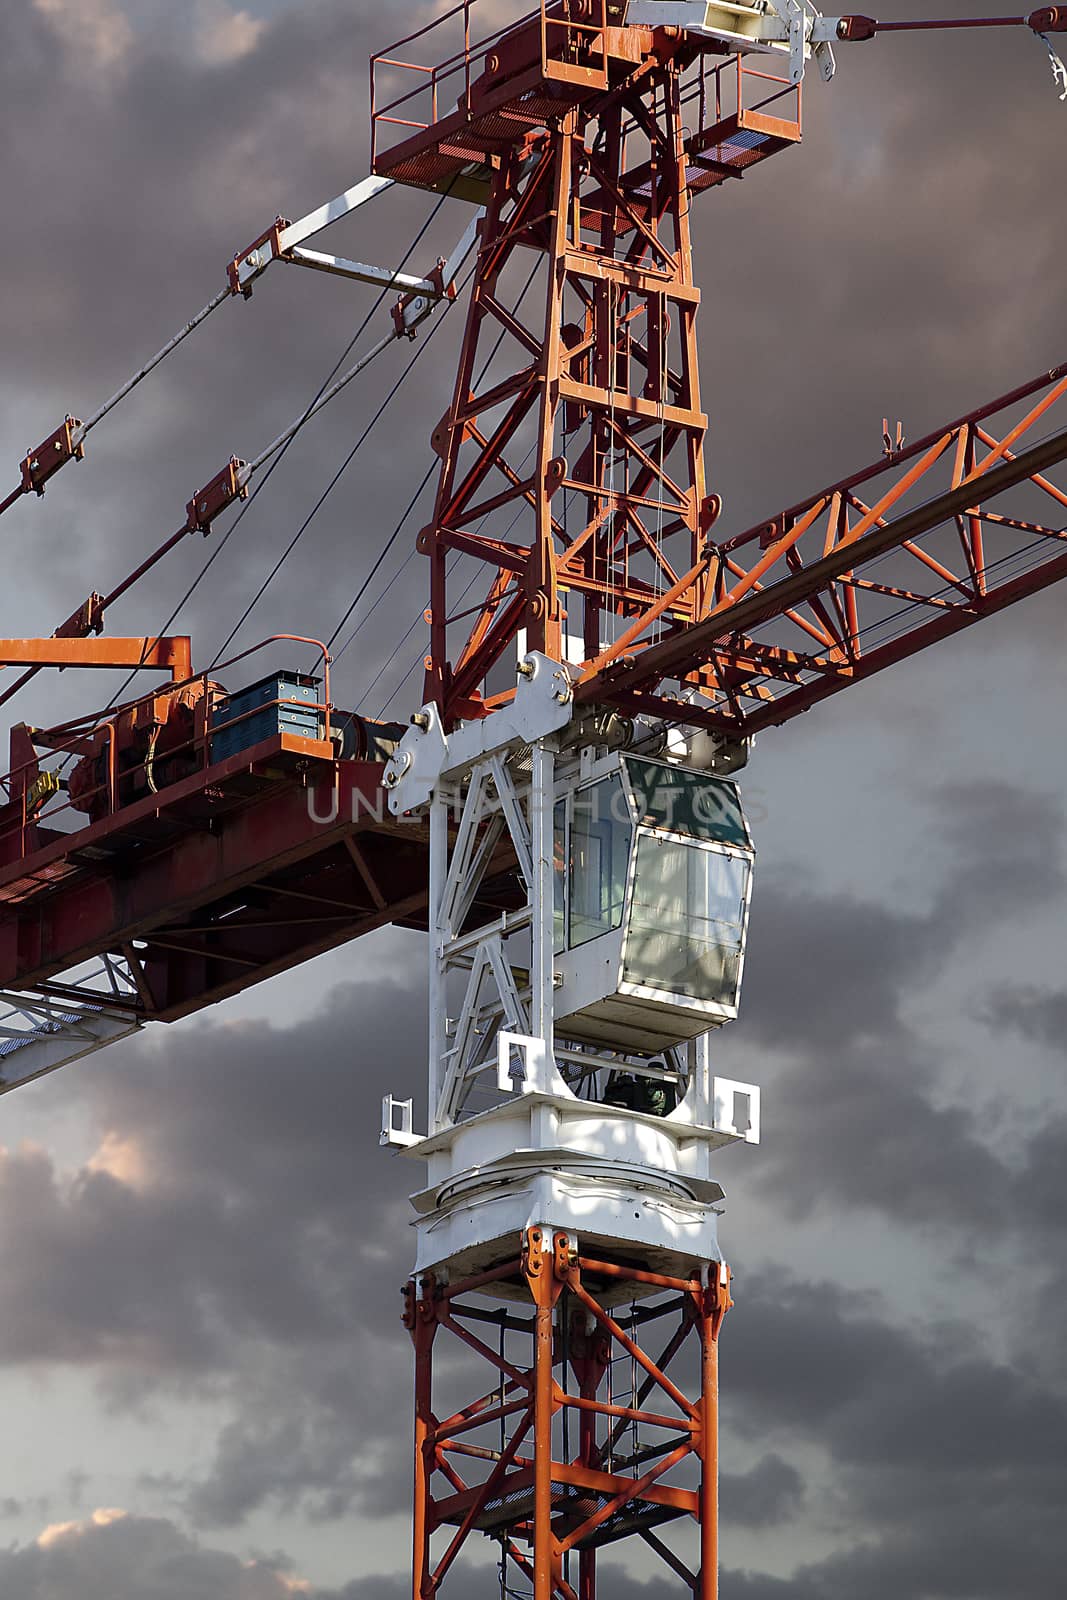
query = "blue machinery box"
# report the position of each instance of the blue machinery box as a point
(286, 702)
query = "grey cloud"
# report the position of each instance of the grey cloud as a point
(833, 982)
(270, 1236)
(266, 1209)
(992, 1547)
(771, 1492)
(324, 1440)
(115, 1557)
(809, 1357)
(189, 161)
(187, 165)
(836, 970)
(1038, 1014)
(947, 1465)
(253, 1245)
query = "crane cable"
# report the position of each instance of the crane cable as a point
(324, 496)
(79, 431)
(383, 669)
(278, 457)
(364, 586)
(277, 449)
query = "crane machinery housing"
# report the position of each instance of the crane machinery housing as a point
(560, 814)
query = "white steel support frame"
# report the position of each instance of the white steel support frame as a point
(465, 1048)
(40, 1032)
(532, 1148)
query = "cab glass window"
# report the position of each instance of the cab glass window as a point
(686, 925)
(687, 802)
(598, 858)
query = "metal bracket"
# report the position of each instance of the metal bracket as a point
(768, 25)
(284, 242)
(426, 755)
(736, 1109)
(404, 1136)
(247, 265)
(534, 1077)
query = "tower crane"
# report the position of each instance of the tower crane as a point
(560, 814)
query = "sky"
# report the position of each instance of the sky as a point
(203, 1380)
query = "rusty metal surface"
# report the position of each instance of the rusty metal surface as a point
(574, 472)
(498, 1463)
(911, 549)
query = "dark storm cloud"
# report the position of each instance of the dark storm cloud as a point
(770, 1493)
(1037, 1014)
(238, 1229)
(834, 981)
(837, 971)
(160, 164)
(815, 1361)
(156, 153)
(320, 1436)
(992, 1547)
(948, 1465)
(906, 259)
(238, 1190)
(115, 1557)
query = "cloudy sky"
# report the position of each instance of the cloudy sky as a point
(201, 1376)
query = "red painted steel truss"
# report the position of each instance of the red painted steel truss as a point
(915, 547)
(572, 452)
(560, 1456)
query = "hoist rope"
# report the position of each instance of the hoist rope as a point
(328, 490)
(150, 366)
(283, 442)
(279, 455)
(490, 358)
(82, 431)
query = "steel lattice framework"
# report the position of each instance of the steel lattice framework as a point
(506, 1464)
(575, 471)
(572, 478)
(917, 546)
(590, 143)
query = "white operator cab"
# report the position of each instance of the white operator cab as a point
(653, 873)
(574, 994)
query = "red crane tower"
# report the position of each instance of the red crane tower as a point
(185, 844)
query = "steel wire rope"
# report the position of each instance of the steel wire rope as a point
(83, 429)
(411, 506)
(261, 485)
(1009, 562)
(387, 664)
(334, 481)
(397, 649)
(268, 580)
(887, 556)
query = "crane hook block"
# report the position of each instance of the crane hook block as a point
(42, 463)
(1050, 19)
(852, 29)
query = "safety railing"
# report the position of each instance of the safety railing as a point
(722, 88)
(38, 794)
(567, 28)
(425, 87)
(422, 91)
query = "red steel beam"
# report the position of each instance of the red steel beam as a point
(517, 1484)
(171, 655)
(806, 573)
(284, 842)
